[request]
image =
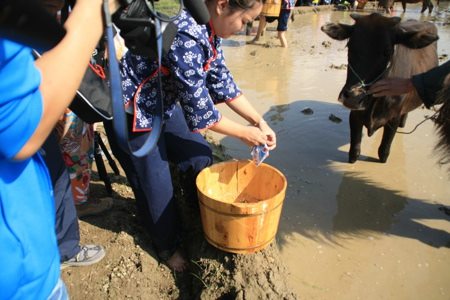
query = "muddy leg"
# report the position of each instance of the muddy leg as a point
(248, 28)
(356, 126)
(388, 136)
(282, 38)
(261, 27)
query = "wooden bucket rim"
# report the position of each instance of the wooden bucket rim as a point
(244, 205)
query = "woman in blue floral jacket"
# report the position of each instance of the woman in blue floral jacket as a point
(195, 79)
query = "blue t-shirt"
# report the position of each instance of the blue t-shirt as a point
(29, 258)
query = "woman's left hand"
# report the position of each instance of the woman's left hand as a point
(270, 134)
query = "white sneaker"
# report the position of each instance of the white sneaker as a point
(88, 255)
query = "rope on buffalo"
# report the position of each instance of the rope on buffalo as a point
(433, 116)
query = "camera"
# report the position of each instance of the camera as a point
(136, 22)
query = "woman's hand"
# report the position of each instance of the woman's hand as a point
(271, 138)
(243, 108)
(253, 136)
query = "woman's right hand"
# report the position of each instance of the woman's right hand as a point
(250, 135)
(253, 136)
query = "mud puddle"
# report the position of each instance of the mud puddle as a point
(361, 231)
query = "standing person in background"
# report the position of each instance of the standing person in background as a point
(283, 20)
(34, 96)
(195, 80)
(76, 139)
(269, 13)
(72, 254)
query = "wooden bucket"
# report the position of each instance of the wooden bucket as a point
(240, 204)
(271, 8)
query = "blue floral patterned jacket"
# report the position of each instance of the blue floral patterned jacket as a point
(194, 75)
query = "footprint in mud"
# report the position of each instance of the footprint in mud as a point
(341, 67)
(268, 45)
(446, 210)
(334, 119)
(326, 44)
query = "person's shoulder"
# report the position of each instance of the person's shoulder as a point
(10, 49)
(188, 27)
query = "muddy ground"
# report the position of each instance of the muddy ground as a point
(131, 270)
(397, 248)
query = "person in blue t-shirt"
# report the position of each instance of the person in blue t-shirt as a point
(34, 94)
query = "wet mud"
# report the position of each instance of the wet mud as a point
(348, 231)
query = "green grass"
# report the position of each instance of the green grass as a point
(167, 7)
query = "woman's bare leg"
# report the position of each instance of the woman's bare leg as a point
(282, 37)
(261, 28)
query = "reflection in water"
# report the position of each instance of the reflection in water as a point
(276, 113)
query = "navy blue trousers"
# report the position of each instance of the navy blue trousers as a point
(151, 180)
(67, 229)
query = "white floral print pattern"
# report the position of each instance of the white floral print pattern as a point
(198, 78)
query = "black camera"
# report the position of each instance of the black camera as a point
(136, 21)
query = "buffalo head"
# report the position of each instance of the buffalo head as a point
(371, 44)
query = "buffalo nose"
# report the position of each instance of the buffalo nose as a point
(346, 93)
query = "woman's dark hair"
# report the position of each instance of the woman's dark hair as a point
(243, 4)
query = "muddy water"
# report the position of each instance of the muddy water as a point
(348, 231)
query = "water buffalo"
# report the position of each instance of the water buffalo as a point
(387, 5)
(381, 47)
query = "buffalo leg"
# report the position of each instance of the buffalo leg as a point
(388, 136)
(404, 5)
(424, 5)
(403, 120)
(356, 127)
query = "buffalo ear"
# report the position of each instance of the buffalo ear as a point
(355, 16)
(416, 35)
(337, 31)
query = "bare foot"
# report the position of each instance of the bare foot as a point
(255, 40)
(177, 262)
